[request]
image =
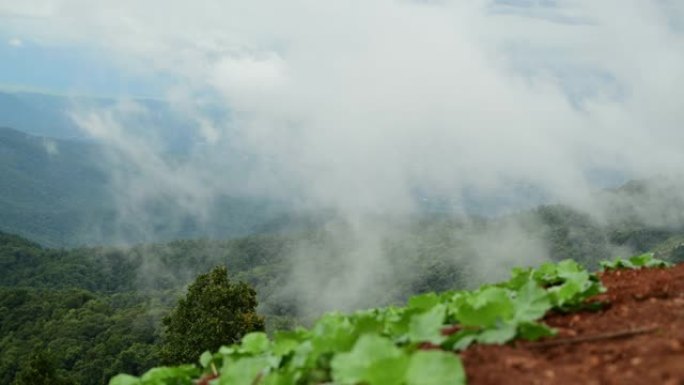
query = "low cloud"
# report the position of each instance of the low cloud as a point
(365, 108)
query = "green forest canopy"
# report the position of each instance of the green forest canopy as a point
(97, 311)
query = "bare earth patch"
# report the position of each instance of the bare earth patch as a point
(636, 338)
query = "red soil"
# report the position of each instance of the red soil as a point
(637, 338)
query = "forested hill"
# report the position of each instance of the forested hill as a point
(59, 193)
(89, 313)
(566, 233)
(50, 188)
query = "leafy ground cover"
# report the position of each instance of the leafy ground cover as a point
(418, 344)
(635, 262)
(636, 339)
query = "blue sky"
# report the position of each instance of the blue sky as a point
(70, 69)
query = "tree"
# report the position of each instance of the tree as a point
(39, 369)
(214, 312)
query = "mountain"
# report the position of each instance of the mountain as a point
(49, 115)
(58, 193)
(51, 189)
(37, 113)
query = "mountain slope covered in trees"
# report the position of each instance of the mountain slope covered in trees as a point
(97, 311)
(60, 193)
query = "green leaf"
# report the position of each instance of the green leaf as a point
(285, 342)
(274, 378)
(387, 371)
(485, 308)
(332, 333)
(435, 367)
(368, 323)
(367, 360)
(205, 359)
(519, 277)
(531, 302)
(500, 334)
(427, 327)
(461, 340)
(533, 331)
(162, 375)
(400, 322)
(546, 274)
(424, 301)
(303, 355)
(243, 371)
(635, 262)
(228, 350)
(568, 266)
(641, 260)
(124, 379)
(255, 343)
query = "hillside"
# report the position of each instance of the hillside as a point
(98, 309)
(60, 192)
(38, 114)
(124, 292)
(51, 190)
(47, 115)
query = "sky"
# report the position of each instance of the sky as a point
(354, 106)
(70, 69)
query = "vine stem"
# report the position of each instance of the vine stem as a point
(595, 337)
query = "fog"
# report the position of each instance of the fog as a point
(372, 108)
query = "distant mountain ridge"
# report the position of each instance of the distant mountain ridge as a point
(49, 186)
(58, 193)
(37, 113)
(50, 115)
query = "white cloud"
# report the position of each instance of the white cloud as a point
(378, 96)
(15, 42)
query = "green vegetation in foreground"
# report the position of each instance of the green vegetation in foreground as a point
(635, 262)
(412, 345)
(95, 312)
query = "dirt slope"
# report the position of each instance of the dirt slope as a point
(637, 338)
